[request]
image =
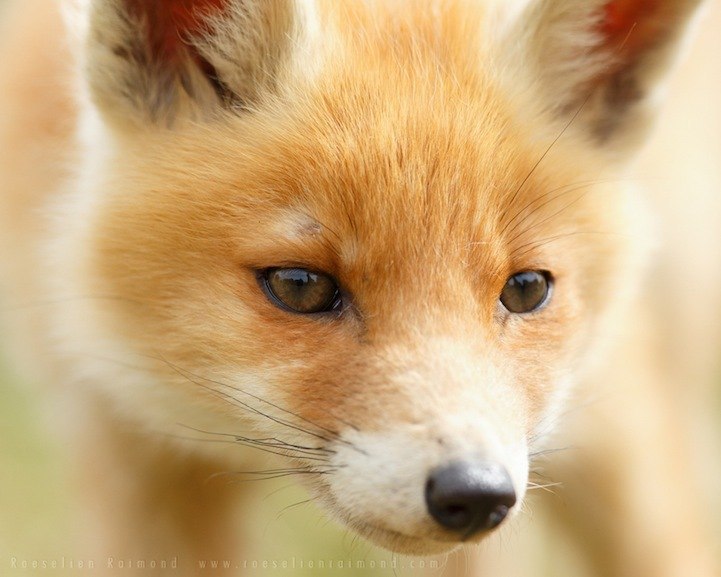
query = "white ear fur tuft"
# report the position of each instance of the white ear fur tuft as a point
(168, 60)
(602, 60)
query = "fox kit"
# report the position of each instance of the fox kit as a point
(380, 239)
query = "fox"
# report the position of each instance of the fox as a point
(380, 243)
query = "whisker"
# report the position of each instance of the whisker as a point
(536, 244)
(243, 404)
(280, 452)
(267, 442)
(545, 153)
(283, 471)
(219, 394)
(555, 140)
(547, 219)
(260, 441)
(544, 452)
(288, 507)
(239, 403)
(531, 486)
(278, 490)
(279, 471)
(281, 476)
(558, 192)
(562, 191)
(233, 400)
(335, 434)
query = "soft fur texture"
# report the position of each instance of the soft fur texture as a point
(420, 152)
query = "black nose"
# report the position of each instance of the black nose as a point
(469, 496)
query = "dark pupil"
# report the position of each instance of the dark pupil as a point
(302, 290)
(524, 292)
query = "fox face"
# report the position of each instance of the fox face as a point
(381, 241)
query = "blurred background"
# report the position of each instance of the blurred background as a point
(38, 515)
(37, 507)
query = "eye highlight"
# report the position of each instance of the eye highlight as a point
(526, 291)
(300, 290)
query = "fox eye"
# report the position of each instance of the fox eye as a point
(301, 290)
(526, 291)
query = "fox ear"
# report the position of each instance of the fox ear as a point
(602, 60)
(161, 60)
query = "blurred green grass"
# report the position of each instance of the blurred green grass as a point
(34, 513)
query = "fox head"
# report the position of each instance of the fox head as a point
(378, 238)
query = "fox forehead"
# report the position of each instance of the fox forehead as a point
(382, 175)
(381, 170)
(357, 177)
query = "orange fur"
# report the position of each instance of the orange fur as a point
(406, 154)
